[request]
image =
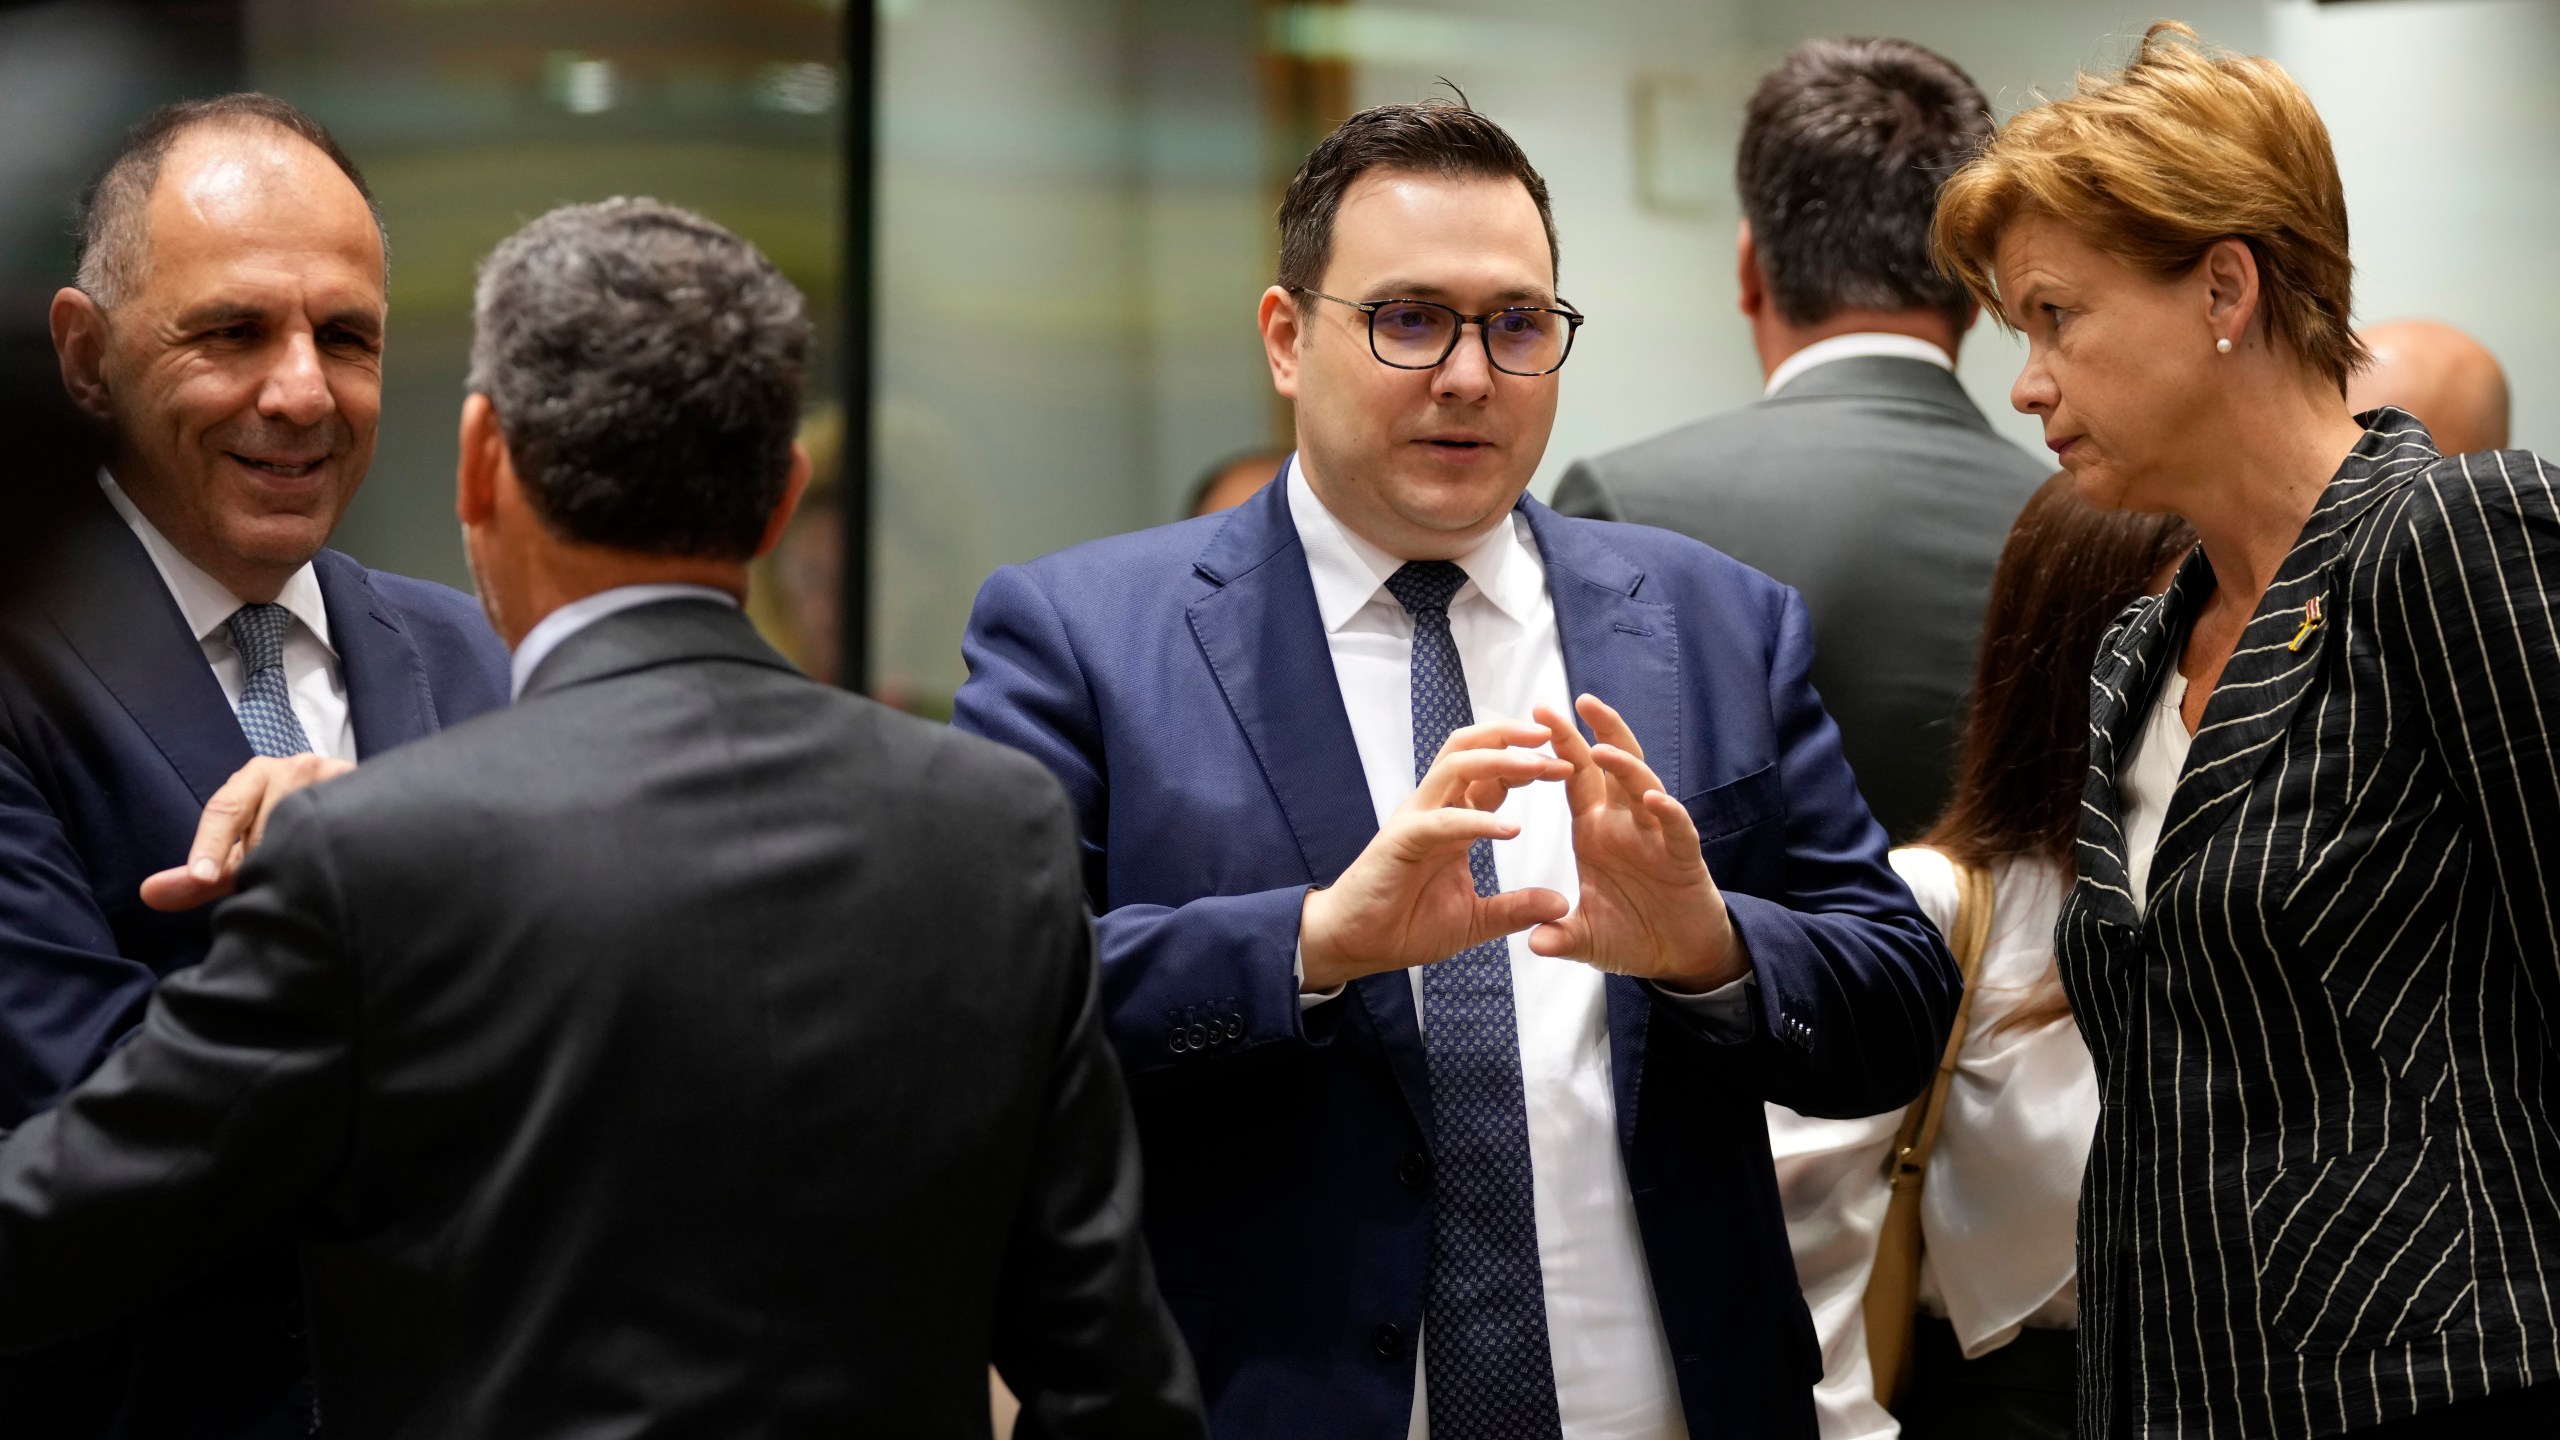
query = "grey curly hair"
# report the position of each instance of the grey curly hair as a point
(646, 368)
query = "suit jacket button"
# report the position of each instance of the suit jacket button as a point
(1388, 1342)
(1415, 1170)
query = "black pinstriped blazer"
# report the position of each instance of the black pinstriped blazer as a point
(2325, 1190)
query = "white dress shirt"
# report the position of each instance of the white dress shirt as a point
(552, 630)
(311, 679)
(1614, 1379)
(2146, 780)
(1851, 346)
(2002, 1196)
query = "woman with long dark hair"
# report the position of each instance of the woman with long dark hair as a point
(1993, 1353)
(1991, 1356)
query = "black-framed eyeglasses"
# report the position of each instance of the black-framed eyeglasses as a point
(1421, 335)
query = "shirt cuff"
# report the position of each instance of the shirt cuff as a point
(1307, 1002)
(1725, 1012)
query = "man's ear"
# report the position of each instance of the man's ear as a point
(1281, 332)
(80, 347)
(2230, 273)
(484, 458)
(793, 487)
(1746, 271)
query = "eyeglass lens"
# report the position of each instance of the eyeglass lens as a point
(1419, 335)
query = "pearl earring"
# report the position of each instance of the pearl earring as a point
(2222, 346)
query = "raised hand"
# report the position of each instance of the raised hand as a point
(1409, 899)
(1648, 908)
(235, 820)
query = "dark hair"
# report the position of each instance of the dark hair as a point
(1843, 149)
(2067, 571)
(112, 240)
(1435, 137)
(646, 367)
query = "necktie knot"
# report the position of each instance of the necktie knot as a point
(1426, 585)
(258, 632)
(266, 705)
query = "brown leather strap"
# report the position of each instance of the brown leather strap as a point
(1893, 1286)
(1919, 1136)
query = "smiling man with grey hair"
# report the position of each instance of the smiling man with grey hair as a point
(224, 336)
(690, 1049)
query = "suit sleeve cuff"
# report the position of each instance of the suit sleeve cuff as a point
(1306, 1001)
(1724, 1013)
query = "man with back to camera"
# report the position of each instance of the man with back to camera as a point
(1866, 477)
(226, 336)
(690, 1049)
(1411, 1171)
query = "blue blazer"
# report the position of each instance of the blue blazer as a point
(1178, 682)
(113, 734)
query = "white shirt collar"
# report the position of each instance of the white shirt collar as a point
(1349, 572)
(1851, 346)
(553, 629)
(207, 603)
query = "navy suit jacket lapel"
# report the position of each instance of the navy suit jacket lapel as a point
(389, 702)
(1264, 640)
(116, 613)
(1626, 651)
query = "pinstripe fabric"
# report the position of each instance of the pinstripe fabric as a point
(2322, 1193)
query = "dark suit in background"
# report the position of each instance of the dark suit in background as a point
(1874, 486)
(113, 734)
(689, 1050)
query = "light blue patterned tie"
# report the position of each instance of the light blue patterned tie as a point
(1484, 1309)
(266, 708)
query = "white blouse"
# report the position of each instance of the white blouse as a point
(1997, 1213)
(2146, 780)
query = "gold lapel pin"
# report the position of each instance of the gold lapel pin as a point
(2310, 622)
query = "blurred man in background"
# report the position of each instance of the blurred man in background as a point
(2444, 377)
(225, 335)
(690, 1049)
(1233, 481)
(1866, 478)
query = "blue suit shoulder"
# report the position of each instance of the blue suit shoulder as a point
(466, 661)
(1677, 569)
(1135, 564)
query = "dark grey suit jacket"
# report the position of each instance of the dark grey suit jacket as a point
(688, 1050)
(1873, 486)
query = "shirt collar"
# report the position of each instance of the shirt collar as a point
(1852, 346)
(554, 629)
(207, 603)
(1349, 572)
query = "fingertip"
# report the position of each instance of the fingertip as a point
(203, 868)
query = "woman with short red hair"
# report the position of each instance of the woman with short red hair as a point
(2312, 933)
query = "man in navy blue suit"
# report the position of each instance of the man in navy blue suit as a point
(1450, 1026)
(226, 335)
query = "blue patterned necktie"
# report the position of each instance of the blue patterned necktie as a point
(266, 708)
(1484, 1309)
